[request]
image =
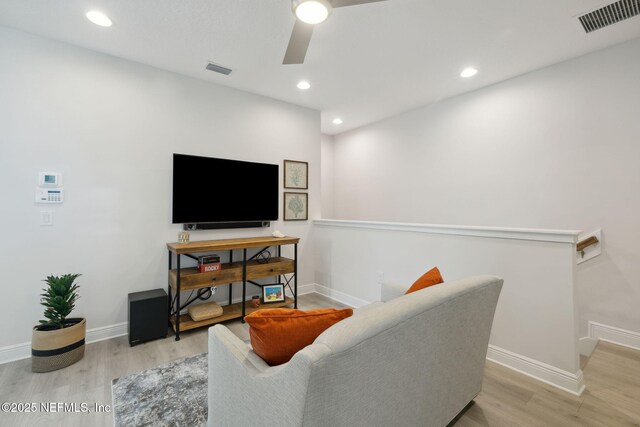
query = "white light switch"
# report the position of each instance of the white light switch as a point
(46, 217)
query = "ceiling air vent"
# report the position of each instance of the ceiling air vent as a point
(218, 69)
(609, 15)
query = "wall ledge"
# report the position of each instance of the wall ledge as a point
(540, 235)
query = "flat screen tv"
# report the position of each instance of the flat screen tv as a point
(210, 190)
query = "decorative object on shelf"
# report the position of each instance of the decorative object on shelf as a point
(263, 257)
(296, 206)
(255, 301)
(273, 293)
(205, 311)
(277, 234)
(183, 237)
(207, 263)
(58, 341)
(296, 174)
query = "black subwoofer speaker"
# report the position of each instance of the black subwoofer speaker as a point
(148, 316)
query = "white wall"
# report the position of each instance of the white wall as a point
(535, 322)
(111, 126)
(326, 174)
(556, 148)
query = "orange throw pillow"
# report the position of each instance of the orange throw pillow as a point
(430, 278)
(277, 334)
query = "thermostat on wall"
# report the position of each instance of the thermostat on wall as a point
(49, 179)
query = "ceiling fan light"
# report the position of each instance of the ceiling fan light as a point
(312, 11)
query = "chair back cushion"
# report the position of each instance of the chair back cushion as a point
(415, 360)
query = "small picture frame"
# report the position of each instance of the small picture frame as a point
(296, 206)
(273, 293)
(296, 174)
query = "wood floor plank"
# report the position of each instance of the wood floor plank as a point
(508, 398)
(598, 412)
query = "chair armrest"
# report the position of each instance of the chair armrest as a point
(242, 386)
(391, 290)
(239, 349)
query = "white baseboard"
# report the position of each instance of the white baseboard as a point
(106, 332)
(15, 352)
(346, 299)
(305, 289)
(567, 381)
(586, 345)
(23, 350)
(623, 337)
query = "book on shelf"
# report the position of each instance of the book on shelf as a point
(209, 263)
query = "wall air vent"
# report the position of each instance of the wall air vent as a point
(218, 69)
(609, 15)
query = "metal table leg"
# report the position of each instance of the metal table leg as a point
(244, 281)
(169, 289)
(178, 298)
(279, 255)
(230, 284)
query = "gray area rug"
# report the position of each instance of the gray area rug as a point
(174, 394)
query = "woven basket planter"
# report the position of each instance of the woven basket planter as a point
(53, 349)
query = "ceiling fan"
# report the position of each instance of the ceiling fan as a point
(309, 13)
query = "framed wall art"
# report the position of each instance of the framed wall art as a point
(296, 174)
(296, 206)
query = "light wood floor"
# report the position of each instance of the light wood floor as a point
(612, 375)
(612, 397)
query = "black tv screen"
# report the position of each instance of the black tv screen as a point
(207, 189)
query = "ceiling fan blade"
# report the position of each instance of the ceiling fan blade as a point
(344, 3)
(298, 43)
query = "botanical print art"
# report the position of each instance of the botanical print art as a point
(296, 174)
(295, 206)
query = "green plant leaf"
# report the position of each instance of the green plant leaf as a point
(59, 298)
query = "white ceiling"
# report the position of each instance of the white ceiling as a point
(365, 62)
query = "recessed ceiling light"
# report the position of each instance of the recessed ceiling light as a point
(304, 85)
(468, 72)
(337, 121)
(99, 18)
(312, 11)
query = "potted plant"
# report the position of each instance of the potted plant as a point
(58, 341)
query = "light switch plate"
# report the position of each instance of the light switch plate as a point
(46, 218)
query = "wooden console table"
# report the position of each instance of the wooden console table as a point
(245, 270)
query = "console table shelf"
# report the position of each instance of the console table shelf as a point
(245, 270)
(191, 278)
(227, 244)
(232, 311)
